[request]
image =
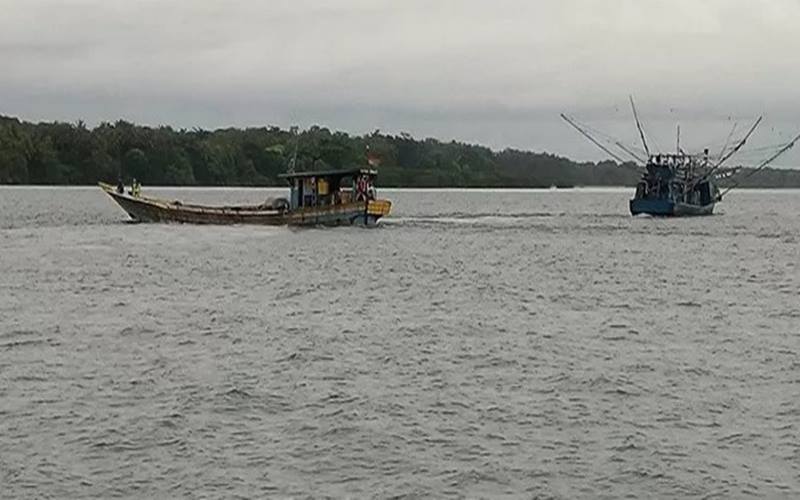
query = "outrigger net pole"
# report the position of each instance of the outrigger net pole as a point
(592, 139)
(763, 165)
(639, 126)
(728, 140)
(625, 148)
(741, 143)
(735, 149)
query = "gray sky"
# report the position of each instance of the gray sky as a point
(494, 72)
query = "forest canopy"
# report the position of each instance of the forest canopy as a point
(72, 153)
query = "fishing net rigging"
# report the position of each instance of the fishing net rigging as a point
(609, 144)
(715, 157)
(764, 164)
(680, 183)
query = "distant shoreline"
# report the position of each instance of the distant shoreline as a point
(59, 154)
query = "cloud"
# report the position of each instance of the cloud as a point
(497, 73)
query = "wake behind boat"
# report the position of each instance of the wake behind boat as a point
(327, 198)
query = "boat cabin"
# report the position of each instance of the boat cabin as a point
(678, 178)
(330, 187)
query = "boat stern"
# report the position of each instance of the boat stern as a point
(379, 208)
(375, 210)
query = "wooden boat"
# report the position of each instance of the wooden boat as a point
(326, 198)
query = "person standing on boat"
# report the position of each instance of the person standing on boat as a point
(120, 186)
(136, 188)
(361, 188)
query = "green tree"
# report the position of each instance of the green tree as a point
(76, 154)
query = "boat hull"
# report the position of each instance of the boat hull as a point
(667, 208)
(142, 209)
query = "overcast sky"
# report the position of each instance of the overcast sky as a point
(495, 72)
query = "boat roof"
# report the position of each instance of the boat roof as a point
(330, 173)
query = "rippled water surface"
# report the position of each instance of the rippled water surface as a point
(479, 344)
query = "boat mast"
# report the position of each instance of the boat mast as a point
(678, 143)
(639, 126)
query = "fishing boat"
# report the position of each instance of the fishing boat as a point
(677, 184)
(674, 185)
(322, 198)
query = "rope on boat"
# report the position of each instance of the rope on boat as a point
(584, 130)
(728, 140)
(739, 145)
(735, 149)
(634, 150)
(589, 136)
(763, 165)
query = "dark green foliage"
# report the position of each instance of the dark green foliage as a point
(66, 153)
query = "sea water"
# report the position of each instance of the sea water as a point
(479, 343)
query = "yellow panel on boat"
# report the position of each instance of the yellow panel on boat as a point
(379, 207)
(322, 187)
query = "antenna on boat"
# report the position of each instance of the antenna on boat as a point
(639, 126)
(293, 161)
(678, 142)
(592, 139)
(762, 166)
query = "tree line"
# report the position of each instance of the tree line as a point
(72, 153)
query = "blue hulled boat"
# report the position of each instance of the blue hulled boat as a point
(678, 184)
(675, 185)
